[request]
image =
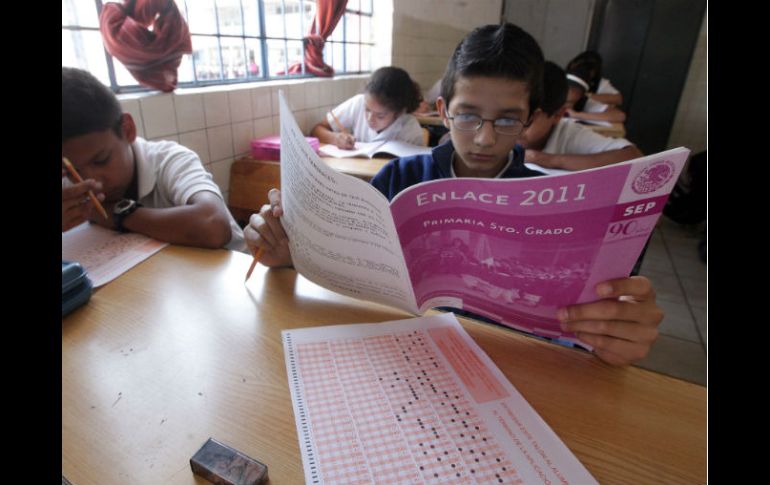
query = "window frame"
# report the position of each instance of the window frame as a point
(262, 39)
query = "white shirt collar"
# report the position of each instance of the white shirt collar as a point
(502, 171)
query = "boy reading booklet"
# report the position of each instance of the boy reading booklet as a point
(341, 232)
(512, 250)
(374, 149)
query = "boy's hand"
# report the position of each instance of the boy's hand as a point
(96, 218)
(76, 205)
(345, 141)
(621, 327)
(265, 230)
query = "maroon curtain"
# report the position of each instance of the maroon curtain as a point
(328, 14)
(151, 56)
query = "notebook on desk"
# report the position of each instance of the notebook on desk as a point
(376, 148)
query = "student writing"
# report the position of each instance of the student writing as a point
(381, 113)
(157, 188)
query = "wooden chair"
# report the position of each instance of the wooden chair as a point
(250, 180)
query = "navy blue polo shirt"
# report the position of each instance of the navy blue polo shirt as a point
(404, 172)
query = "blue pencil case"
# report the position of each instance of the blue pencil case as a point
(76, 287)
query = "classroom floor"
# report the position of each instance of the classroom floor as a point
(679, 276)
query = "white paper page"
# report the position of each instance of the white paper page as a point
(597, 122)
(547, 171)
(415, 401)
(340, 228)
(403, 149)
(106, 254)
(361, 149)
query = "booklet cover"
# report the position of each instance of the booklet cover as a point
(512, 250)
(392, 148)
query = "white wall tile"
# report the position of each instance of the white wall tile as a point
(312, 91)
(166, 138)
(263, 127)
(325, 92)
(158, 115)
(221, 172)
(189, 112)
(131, 106)
(220, 140)
(338, 91)
(197, 142)
(242, 135)
(261, 106)
(217, 109)
(240, 105)
(296, 96)
(274, 98)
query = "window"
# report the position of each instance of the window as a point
(233, 41)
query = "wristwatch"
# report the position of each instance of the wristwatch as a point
(123, 209)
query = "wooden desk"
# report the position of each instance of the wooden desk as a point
(617, 130)
(429, 120)
(178, 349)
(251, 179)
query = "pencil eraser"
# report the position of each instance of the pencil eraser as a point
(222, 465)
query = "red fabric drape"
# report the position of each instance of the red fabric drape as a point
(151, 56)
(328, 14)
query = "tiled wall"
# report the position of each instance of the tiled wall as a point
(219, 122)
(426, 32)
(690, 123)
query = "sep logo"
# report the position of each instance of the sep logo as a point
(653, 177)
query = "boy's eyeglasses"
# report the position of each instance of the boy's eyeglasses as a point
(503, 126)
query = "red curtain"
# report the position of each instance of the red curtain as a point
(151, 56)
(328, 14)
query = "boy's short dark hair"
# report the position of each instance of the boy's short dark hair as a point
(497, 51)
(554, 88)
(394, 89)
(87, 105)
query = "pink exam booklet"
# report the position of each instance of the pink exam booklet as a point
(512, 250)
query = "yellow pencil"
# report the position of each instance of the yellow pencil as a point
(339, 123)
(75, 175)
(257, 255)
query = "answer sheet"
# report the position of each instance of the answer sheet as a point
(415, 401)
(106, 254)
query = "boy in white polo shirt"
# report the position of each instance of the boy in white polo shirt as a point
(555, 144)
(156, 188)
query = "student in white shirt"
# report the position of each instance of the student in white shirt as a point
(553, 142)
(381, 113)
(579, 103)
(156, 188)
(600, 89)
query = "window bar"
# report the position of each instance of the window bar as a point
(302, 35)
(219, 43)
(110, 65)
(285, 40)
(263, 39)
(195, 80)
(344, 42)
(246, 65)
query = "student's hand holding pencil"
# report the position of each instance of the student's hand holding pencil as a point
(342, 139)
(265, 232)
(76, 204)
